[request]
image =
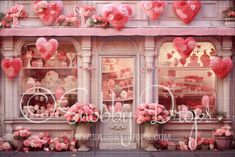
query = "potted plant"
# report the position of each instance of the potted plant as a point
(229, 16)
(151, 115)
(20, 134)
(82, 116)
(223, 137)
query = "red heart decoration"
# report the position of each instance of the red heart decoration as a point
(183, 61)
(11, 67)
(186, 10)
(169, 55)
(117, 17)
(48, 12)
(46, 48)
(184, 47)
(153, 9)
(209, 73)
(221, 67)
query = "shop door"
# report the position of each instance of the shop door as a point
(117, 102)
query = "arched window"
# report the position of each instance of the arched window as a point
(189, 79)
(51, 77)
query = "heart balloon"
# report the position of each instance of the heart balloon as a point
(48, 12)
(153, 9)
(46, 48)
(186, 10)
(221, 67)
(117, 16)
(11, 67)
(184, 47)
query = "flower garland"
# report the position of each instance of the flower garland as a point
(11, 16)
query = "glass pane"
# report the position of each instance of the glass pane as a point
(117, 84)
(189, 79)
(52, 78)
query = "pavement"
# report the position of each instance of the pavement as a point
(122, 153)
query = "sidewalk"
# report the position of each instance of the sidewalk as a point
(122, 153)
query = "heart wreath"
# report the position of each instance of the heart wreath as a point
(46, 48)
(186, 10)
(153, 9)
(184, 46)
(221, 67)
(48, 12)
(11, 67)
(117, 16)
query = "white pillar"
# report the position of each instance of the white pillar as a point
(226, 53)
(149, 49)
(86, 60)
(9, 94)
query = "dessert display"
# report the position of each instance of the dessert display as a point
(117, 84)
(189, 79)
(47, 79)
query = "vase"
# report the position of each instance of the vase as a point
(151, 135)
(205, 59)
(19, 144)
(223, 142)
(82, 134)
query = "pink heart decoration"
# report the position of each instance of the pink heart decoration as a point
(11, 67)
(184, 47)
(48, 12)
(153, 9)
(117, 17)
(46, 48)
(186, 10)
(221, 67)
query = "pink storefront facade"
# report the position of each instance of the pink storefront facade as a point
(141, 50)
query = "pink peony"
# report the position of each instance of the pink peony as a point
(6, 146)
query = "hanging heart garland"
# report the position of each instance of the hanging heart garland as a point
(48, 12)
(153, 9)
(117, 16)
(184, 46)
(46, 48)
(11, 67)
(186, 10)
(221, 67)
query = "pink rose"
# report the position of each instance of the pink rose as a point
(27, 143)
(228, 133)
(6, 146)
(58, 147)
(19, 128)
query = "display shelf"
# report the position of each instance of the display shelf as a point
(194, 94)
(108, 72)
(46, 68)
(128, 99)
(35, 93)
(123, 78)
(185, 68)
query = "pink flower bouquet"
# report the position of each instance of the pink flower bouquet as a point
(68, 20)
(224, 131)
(37, 142)
(82, 113)
(152, 112)
(21, 133)
(62, 143)
(4, 146)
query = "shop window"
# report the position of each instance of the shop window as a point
(117, 84)
(189, 79)
(43, 82)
